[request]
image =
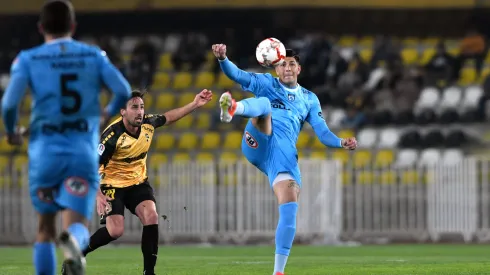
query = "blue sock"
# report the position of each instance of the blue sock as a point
(254, 107)
(44, 257)
(286, 229)
(81, 234)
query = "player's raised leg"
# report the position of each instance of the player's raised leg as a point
(250, 107)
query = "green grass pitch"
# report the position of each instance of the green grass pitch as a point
(304, 260)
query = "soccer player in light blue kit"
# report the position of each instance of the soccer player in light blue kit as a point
(65, 78)
(277, 112)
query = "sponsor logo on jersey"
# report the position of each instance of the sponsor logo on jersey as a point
(100, 149)
(277, 104)
(76, 186)
(251, 141)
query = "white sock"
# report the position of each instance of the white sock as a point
(280, 263)
(239, 108)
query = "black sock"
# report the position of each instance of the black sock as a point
(100, 238)
(149, 247)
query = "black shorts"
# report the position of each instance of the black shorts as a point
(126, 197)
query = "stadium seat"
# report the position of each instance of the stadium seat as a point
(472, 96)
(485, 73)
(335, 118)
(104, 98)
(149, 101)
(165, 101)
(204, 157)
(237, 95)
(20, 162)
(410, 176)
(165, 62)
(433, 138)
(303, 140)
(384, 158)
(410, 139)
(203, 121)
(185, 122)
(161, 80)
(406, 158)
(185, 98)
(156, 160)
(347, 41)
(228, 156)
(318, 155)
(451, 98)
(410, 42)
(468, 76)
(224, 82)
(429, 98)
(430, 42)
(455, 139)
(409, 56)
(181, 157)
(25, 106)
(427, 55)
(429, 156)
(366, 54)
(452, 156)
(182, 80)
(5, 147)
(187, 141)
(386, 177)
(341, 155)
(204, 80)
(233, 140)
(316, 143)
(366, 42)
(165, 141)
(210, 140)
(362, 158)
(345, 133)
(4, 164)
(212, 105)
(367, 138)
(388, 138)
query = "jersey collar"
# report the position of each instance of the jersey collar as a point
(59, 40)
(291, 90)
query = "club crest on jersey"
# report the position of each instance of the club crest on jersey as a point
(76, 186)
(291, 97)
(251, 141)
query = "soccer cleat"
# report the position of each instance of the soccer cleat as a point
(228, 107)
(279, 273)
(75, 262)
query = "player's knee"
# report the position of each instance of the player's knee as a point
(115, 226)
(150, 217)
(46, 228)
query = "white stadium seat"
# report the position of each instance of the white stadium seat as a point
(367, 138)
(389, 138)
(452, 156)
(472, 97)
(430, 156)
(406, 158)
(335, 117)
(451, 98)
(429, 98)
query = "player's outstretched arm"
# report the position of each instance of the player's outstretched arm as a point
(201, 98)
(319, 125)
(229, 68)
(19, 79)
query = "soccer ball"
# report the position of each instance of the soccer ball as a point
(270, 52)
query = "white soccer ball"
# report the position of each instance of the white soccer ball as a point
(270, 52)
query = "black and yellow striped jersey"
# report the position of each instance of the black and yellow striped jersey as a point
(123, 155)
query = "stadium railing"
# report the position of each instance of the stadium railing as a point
(233, 203)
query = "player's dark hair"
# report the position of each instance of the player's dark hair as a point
(292, 53)
(57, 17)
(138, 93)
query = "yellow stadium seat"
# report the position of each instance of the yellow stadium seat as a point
(156, 160)
(187, 141)
(4, 163)
(346, 177)
(203, 121)
(20, 162)
(5, 147)
(233, 140)
(165, 141)
(454, 51)
(228, 156)
(161, 80)
(427, 55)
(410, 41)
(210, 140)
(318, 155)
(181, 157)
(362, 158)
(26, 104)
(303, 140)
(24, 121)
(213, 103)
(468, 76)
(317, 144)
(484, 74)
(366, 54)
(205, 80)
(300, 154)
(364, 177)
(165, 62)
(409, 177)
(384, 158)
(345, 133)
(182, 80)
(237, 95)
(186, 98)
(430, 41)
(386, 177)
(224, 82)
(341, 155)
(347, 41)
(366, 41)
(185, 122)
(104, 98)
(165, 101)
(204, 157)
(409, 55)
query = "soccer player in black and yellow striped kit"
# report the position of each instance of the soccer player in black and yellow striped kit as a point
(124, 183)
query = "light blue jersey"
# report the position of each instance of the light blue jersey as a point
(291, 108)
(65, 78)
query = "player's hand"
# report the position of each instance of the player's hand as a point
(103, 204)
(16, 138)
(349, 143)
(219, 50)
(203, 97)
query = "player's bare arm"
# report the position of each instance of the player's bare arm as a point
(200, 100)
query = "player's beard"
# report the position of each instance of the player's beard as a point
(136, 123)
